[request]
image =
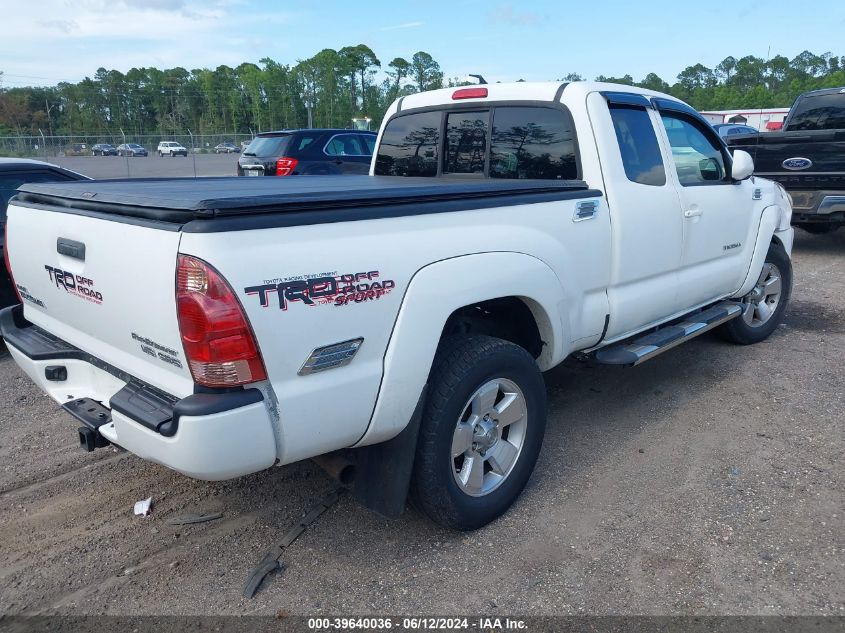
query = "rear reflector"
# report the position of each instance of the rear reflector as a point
(219, 344)
(470, 93)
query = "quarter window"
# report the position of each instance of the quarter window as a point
(532, 142)
(466, 142)
(409, 146)
(638, 145)
(698, 158)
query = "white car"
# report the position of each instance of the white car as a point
(399, 321)
(171, 148)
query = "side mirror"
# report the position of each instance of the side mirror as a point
(743, 165)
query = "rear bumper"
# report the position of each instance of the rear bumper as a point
(210, 436)
(817, 206)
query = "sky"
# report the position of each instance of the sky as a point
(47, 41)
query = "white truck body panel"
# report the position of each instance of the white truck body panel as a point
(129, 290)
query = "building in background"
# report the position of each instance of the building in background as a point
(764, 120)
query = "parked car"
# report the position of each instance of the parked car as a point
(172, 148)
(131, 149)
(13, 173)
(731, 129)
(400, 323)
(103, 149)
(808, 158)
(77, 149)
(308, 152)
(226, 148)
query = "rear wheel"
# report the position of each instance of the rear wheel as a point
(481, 432)
(763, 307)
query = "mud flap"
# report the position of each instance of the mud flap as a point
(383, 471)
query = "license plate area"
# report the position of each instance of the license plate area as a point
(253, 171)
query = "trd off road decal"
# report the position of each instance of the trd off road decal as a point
(74, 284)
(323, 289)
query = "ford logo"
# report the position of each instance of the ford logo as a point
(795, 164)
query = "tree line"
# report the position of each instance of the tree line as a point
(335, 86)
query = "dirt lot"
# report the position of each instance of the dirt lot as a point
(708, 481)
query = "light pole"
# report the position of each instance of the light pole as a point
(309, 105)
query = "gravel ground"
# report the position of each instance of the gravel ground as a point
(707, 481)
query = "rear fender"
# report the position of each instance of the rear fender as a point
(433, 294)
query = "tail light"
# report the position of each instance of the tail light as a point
(6, 260)
(285, 166)
(219, 344)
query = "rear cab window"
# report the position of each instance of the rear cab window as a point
(465, 148)
(819, 112)
(501, 141)
(530, 142)
(268, 145)
(409, 145)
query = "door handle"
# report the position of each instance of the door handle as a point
(70, 248)
(692, 213)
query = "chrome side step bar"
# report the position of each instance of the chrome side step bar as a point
(639, 350)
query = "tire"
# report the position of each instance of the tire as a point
(765, 304)
(473, 376)
(819, 229)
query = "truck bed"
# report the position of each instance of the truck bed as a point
(234, 203)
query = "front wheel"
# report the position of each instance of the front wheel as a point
(763, 307)
(481, 431)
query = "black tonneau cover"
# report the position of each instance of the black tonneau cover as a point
(188, 200)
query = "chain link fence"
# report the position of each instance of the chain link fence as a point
(47, 147)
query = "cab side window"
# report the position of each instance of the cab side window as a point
(699, 159)
(638, 145)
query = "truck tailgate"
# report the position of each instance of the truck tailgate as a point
(106, 287)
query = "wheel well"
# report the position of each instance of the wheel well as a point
(508, 318)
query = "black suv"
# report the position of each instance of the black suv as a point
(311, 152)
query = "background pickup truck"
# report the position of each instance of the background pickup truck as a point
(398, 322)
(807, 158)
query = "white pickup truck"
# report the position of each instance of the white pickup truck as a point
(398, 321)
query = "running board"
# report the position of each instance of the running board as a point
(645, 347)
